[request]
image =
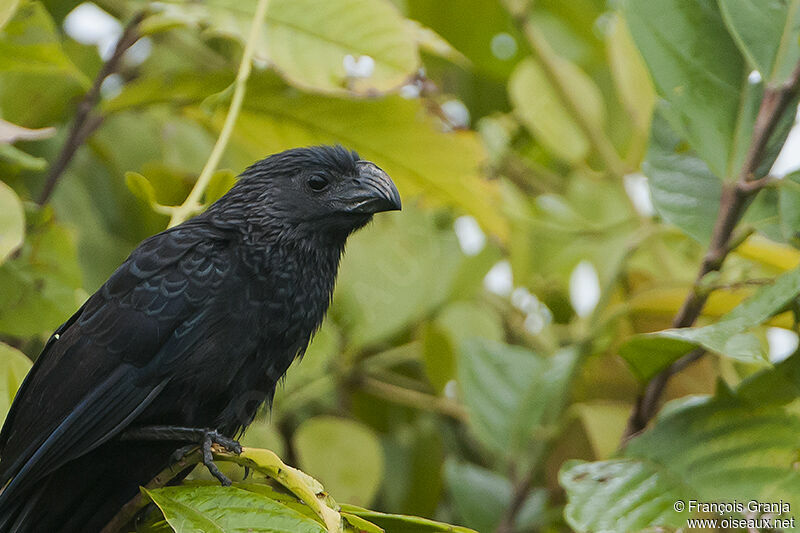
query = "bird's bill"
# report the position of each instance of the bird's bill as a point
(376, 191)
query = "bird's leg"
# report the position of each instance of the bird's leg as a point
(206, 438)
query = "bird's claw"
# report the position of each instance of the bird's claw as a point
(211, 438)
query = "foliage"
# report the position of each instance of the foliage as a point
(590, 206)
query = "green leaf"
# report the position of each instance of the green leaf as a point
(604, 423)
(215, 509)
(35, 68)
(394, 273)
(725, 448)
(435, 44)
(14, 366)
(12, 222)
(539, 107)
(767, 32)
(684, 191)
(308, 43)
(480, 496)
(345, 455)
(631, 78)
(620, 495)
(360, 525)
(456, 322)
(789, 207)
(141, 187)
(7, 9)
(394, 523)
(699, 71)
(39, 287)
(220, 183)
(649, 353)
(445, 167)
(513, 395)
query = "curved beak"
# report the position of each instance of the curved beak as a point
(374, 191)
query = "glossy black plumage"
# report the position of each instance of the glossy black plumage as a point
(194, 329)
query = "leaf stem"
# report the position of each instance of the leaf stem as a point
(734, 201)
(192, 203)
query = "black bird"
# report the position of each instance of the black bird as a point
(185, 341)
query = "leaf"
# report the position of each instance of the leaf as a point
(433, 43)
(767, 33)
(539, 107)
(631, 78)
(650, 353)
(311, 44)
(619, 495)
(456, 322)
(7, 9)
(684, 191)
(698, 70)
(221, 181)
(12, 222)
(724, 449)
(14, 366)
(39, 287)
(394, 523)
(215, 509)
(604, 423)
(35, 68)
(343, 454)
(395, 133)
(361, 525)
(480, 496)
(394, 273)
(789, 207)
(512, 394)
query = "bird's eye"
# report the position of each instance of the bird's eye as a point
(317, 182)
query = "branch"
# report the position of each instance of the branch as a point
(85, 123)
(191, 205)
(411, 398)
(733, 203)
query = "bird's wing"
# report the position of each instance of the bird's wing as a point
(109, 361)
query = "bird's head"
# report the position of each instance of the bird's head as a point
(324, 189)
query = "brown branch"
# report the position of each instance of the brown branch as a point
(85, 122)
(733, 203)
(518, 497)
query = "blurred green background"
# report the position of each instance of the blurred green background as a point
(560, 188)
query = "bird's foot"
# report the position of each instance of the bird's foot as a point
(206, 438)
(211, 438)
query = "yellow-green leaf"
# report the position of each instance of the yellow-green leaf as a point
(540, 107)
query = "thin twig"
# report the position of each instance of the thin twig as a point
(191, 205)
(518, 497)
(411, 398)
(734, 201)
(85, 122)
